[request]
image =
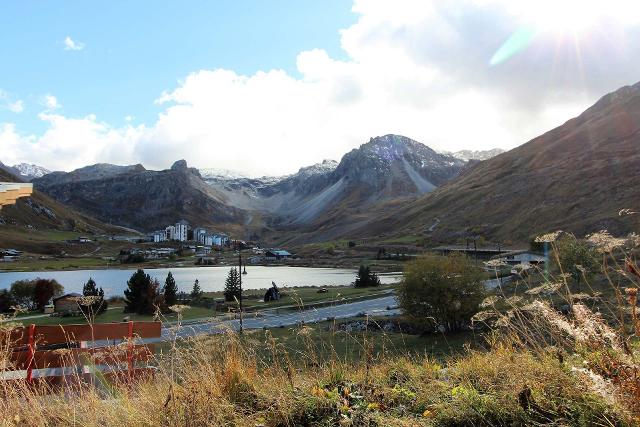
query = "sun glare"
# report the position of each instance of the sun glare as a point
(576, 16)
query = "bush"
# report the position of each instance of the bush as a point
(6, 301)
(577, 258)
(441, 291)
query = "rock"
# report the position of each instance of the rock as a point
(179, 165)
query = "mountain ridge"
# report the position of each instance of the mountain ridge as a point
(576, 177)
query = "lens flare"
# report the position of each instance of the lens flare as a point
(514, 44)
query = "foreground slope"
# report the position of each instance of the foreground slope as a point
(577, 177)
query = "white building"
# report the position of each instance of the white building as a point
(180, 231)
(159, 236)
(215, 239)
(199, 234)
(170, 233)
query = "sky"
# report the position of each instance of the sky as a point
(266, 87)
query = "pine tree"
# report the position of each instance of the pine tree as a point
(90, 288)
(103, 302)
(170, 290)
(366, 278)
(196, 292)
(142, 294)
(232, 286)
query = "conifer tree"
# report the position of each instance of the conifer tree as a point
(170, 290)
(232, 286)
(142, 294)
(196, 292)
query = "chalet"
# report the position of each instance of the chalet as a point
(67, 304)
(276, 255)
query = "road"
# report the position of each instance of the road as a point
(268, 319)
(377, 306)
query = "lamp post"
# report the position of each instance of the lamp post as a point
(240, 280)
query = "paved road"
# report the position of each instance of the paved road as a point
(377, 306)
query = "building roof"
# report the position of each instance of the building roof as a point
(280, 252)
(70, 295)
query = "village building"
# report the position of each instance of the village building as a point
(181, 231)
(159, 236)
(199, 234)
(276, 255)
(67, 304)
(523, 257)
(170, 233)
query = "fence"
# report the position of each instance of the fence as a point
(65, 354)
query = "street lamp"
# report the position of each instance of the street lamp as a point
(240, 279)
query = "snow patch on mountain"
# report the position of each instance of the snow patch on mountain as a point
(30, 171)
(467, 155)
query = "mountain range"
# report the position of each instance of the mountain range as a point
(385, 169)
(576, 177)
(25, 171)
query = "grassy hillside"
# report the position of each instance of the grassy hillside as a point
(39, 224)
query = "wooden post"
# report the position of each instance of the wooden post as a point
(130, 349)
(30, 352)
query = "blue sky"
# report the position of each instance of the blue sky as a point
(134, 50)
(268, 86)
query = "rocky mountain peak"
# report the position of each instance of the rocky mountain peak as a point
(179, 165)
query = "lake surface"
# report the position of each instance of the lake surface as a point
(114, 281)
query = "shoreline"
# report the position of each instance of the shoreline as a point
(180, 266)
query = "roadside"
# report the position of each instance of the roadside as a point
(294, 299)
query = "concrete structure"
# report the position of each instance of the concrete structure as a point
(523, 257)
(180, 230)
(159, 236)
(170, 233)
(199, 234)
(12, 191)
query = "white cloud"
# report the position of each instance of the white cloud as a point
(16, 106)
(9, 103)
(70, 44)
(414, 67)
(50, 102)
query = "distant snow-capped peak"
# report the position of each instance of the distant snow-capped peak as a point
(467, 155)
(30, 170)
